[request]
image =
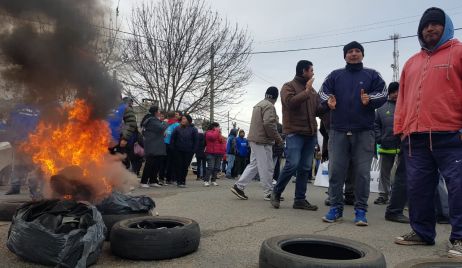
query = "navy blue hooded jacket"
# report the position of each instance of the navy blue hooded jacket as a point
(346, 84)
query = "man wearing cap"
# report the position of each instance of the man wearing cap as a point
(428, 117)
(352, 94)
(299, 107)
(388, 143)
(263, 134)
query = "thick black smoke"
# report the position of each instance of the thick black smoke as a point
(56, 55)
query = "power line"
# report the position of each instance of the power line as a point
(331, 46)
(323, 33)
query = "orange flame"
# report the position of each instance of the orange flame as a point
(79, 141)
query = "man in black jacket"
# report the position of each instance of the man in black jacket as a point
(388, 142)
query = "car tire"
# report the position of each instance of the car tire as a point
(427, 263)
(111, 219)
(298, 251)
(159, 238)
(8, 208)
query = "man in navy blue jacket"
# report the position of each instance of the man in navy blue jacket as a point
(352, 94)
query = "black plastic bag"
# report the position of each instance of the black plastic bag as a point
(59, 233)
(120, 204)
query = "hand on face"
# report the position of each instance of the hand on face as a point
(309, 84)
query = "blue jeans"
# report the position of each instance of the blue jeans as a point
(230, 158)
(299, 152)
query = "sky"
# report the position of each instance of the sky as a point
(299, 24)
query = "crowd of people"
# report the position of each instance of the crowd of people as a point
(414, 124)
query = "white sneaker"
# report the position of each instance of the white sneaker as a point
(206, 184)
(274, 182)
(214, 183)
(144, 185)
(155, 185)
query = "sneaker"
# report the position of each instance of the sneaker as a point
(161, 182)
(181, 186)
(268, 198)
(410, 239)
(206, 184)
(381, 200)
(455, 251)
(155, 185)
(360, 217)
(274, 182)
(144, 185)
(238, 192)
(397, 218)
(275, 199)
(304, 204)
(334, 214)
(214, 183)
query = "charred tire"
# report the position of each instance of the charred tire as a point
(111, 219)
(298, 251)
(8, 208)
(427, 263)
(175, 238)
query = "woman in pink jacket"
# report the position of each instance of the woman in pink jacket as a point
(215, 148)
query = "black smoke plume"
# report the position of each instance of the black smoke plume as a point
(47, 47)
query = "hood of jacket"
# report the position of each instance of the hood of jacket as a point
(448, 34)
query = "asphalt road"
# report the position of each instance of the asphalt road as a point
(233, 230)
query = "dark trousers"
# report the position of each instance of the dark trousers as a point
(201, 166)
(240, 164)
(152, 168)
(398, 197)
(277, 167)
(426, 155)
(183, 159)
(170, 166)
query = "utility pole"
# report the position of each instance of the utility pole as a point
(228, 121)
(212, 82)
(395, 65)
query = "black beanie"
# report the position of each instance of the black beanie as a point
(189, 118)
(272, 93)
(352, 45)
(432, 14)
(393, 87)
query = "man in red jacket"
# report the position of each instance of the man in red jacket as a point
(428, 117)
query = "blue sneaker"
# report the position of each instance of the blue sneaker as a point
(360, 217)
(334, 214)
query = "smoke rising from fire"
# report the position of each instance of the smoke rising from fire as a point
(56, 57)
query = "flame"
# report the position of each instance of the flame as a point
(78, 141)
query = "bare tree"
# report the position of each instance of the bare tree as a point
(170, 56)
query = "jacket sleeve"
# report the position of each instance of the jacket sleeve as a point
(173, 138)
(195, 138)
(379, 92)
(290, 98)
(130, 124)
(327, 89)
(378, 127)
(270, 123)
(398, 117)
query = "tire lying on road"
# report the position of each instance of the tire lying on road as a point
(111, 219)
(297, 251)
(427, 263)
(154, 237)
(9, 207)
